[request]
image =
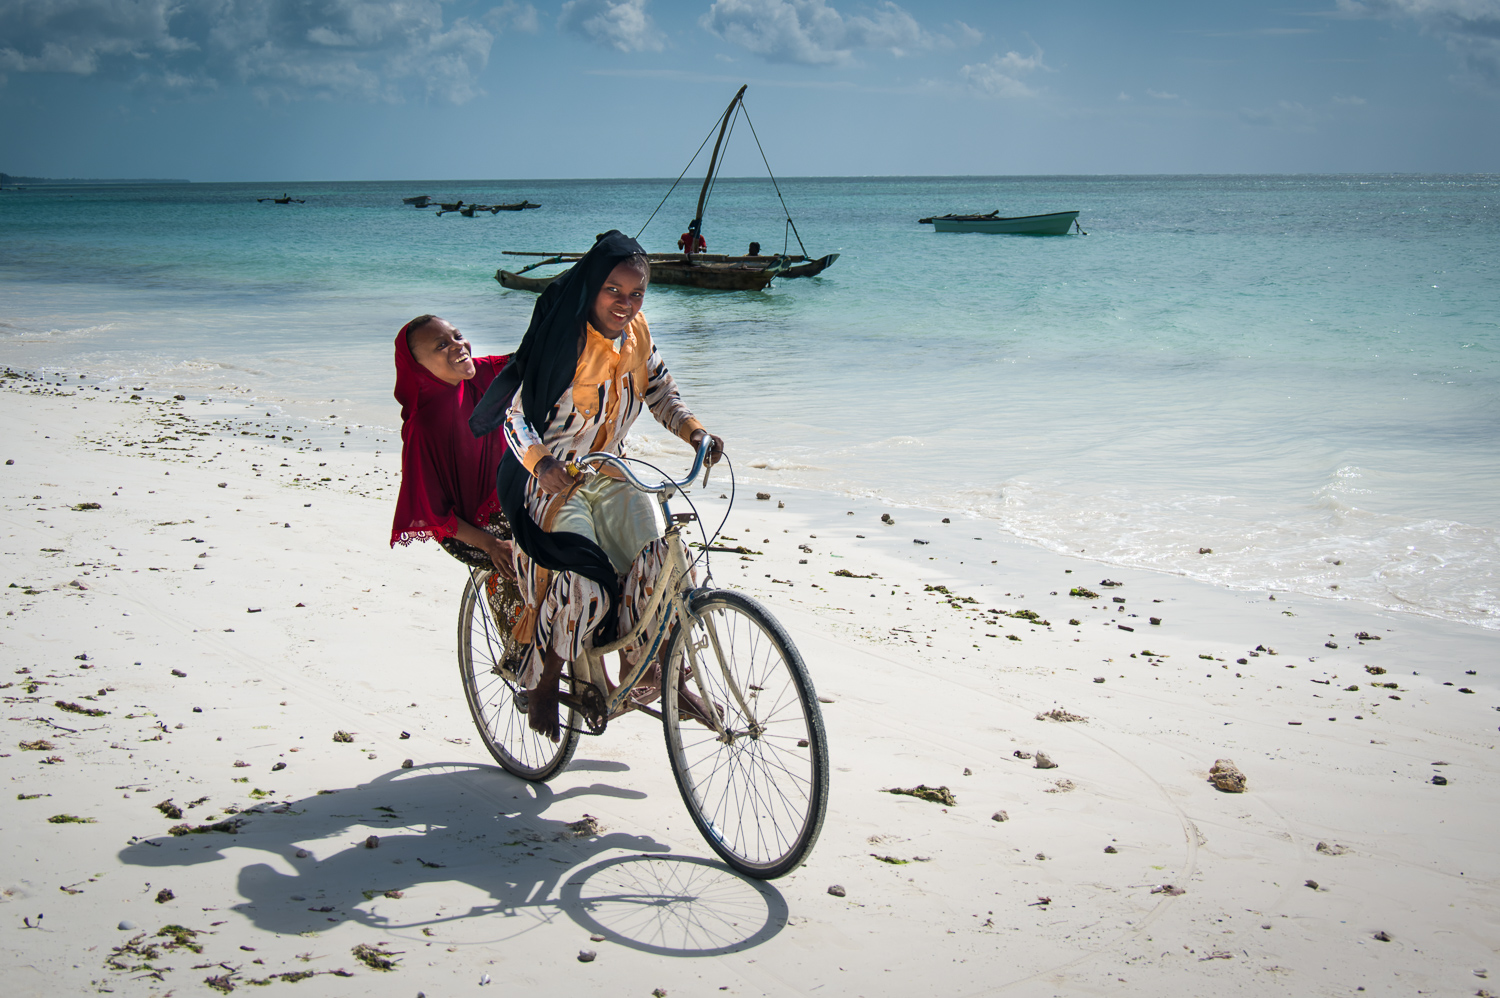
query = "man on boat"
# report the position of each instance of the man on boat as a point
(692, 240)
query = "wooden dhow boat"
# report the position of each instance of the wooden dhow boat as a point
(711, 271)
(705, 270)
(1056, 223)
(417, 201)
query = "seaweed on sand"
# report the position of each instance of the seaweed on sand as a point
(937, 795)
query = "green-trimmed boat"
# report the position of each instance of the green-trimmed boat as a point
(1056, 223)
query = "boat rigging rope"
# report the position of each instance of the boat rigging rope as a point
(685, 169)
(774, 184)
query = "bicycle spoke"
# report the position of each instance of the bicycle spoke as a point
(495, 699)
(759, 801)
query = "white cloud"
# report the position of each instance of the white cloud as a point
(965, 35)
(512, 16)
(1470, 29)
(1000, 76)
(384, 50)
(1161, 96)
(1123, 96)
(619, 24)
(812, 33)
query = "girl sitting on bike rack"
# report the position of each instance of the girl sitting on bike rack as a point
(447, 476)
(588, 548)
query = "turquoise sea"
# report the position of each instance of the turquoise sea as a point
(1299, 372)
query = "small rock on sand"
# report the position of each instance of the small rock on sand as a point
(1019, 754)
(1383, 936)
(1111, 850)
(1332, 850)
(1044, 761)
(302, 854)
(886, 518)
(164, 895)
(1440, 781)
(837, 890)
(758, 495)
(373, 842)
(1226, 777)
(278, 767)
(406, 764)
(999, 816)
(126, 925)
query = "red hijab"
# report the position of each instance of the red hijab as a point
(446, 472)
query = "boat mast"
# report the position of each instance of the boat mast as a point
(696, 226)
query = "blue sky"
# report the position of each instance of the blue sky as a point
(424, 89)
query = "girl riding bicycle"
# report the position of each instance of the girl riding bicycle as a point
(588, 549)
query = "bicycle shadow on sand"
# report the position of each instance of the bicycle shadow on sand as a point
(527, 852)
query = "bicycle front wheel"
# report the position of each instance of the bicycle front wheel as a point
(759, 791)
(486, 658)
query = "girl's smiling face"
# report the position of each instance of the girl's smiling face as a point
(442, 349)
(619, 300)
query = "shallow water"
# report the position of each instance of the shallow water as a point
(1301, 373)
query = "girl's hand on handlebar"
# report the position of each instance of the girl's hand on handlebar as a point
(552, 475)
(715, 450)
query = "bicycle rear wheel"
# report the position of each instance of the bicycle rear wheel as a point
(759, 792)
(486, 652)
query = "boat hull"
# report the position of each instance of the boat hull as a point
(1056, 223)
(520, 282)
(714, 272)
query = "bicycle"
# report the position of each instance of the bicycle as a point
(752, 766)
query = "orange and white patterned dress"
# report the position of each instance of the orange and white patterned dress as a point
(616, 379)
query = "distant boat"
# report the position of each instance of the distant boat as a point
(284, 199)
(523, 206)
(1055, 223)
(711, 271)
(420, 201)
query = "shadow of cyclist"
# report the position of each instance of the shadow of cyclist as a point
(473, 825)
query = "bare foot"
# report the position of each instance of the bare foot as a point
(541, 713)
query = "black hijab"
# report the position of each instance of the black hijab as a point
(542, 369)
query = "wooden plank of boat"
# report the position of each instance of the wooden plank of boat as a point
(718, 273)
(726, 276)
(812, 269)
(518, 282)
(1056, 223)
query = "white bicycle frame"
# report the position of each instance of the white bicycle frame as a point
(672, 587)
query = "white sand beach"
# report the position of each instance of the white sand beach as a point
(232, 603)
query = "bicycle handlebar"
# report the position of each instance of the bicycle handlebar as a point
(604, 457)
